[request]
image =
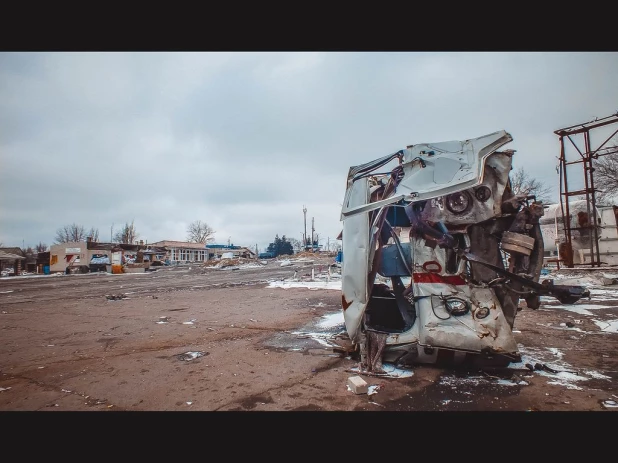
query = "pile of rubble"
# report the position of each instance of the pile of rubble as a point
(235, 262)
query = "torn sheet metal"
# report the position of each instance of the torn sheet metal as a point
(437, 254)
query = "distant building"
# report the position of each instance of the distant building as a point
(11, 261)
(85, 256)
(182, 251)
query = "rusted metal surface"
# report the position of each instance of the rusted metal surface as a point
(438, 252)
(586, 155)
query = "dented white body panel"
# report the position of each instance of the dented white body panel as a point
(354, 268)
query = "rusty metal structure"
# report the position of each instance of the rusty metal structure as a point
(588, 223)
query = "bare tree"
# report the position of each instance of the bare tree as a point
(127, 234)
(522, 183)
(93, 233)
(296, 244)
(70, 233)
(606, 176)
(27, 251)
(200, 232)
(41, 247)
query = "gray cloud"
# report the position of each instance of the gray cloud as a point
(243, 140)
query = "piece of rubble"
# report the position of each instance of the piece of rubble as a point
(358, 385)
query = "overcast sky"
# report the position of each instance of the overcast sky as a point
(243, 140)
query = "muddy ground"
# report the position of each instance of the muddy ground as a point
(196, 338)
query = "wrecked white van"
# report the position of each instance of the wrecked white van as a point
(437, 253)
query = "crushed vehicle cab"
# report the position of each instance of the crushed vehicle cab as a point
(438, 253)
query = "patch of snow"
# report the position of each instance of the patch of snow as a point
(508, 382)
(610, 404)
(596, 374)
(331, 320)
(312, 285)
(609, 326)
(243, 266)
(555, 351)
(582, 309)
(562, 378)
(390, 371)
(454, 381)
(4, 388)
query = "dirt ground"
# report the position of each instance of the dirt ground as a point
(207, 339)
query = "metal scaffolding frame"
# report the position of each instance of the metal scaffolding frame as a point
(586, 158)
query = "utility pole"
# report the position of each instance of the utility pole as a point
(305, 234)
(111, 234)
(312, 230)
(328, 244)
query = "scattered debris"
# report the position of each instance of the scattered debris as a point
(4, 388)
(610, 404)
(542, 366)
(357, 385)
(116, 297)
(192, 355)
(374, 389)
(163, 320)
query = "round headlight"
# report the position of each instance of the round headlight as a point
(456, 306)
(482, 193)
(458, 203)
